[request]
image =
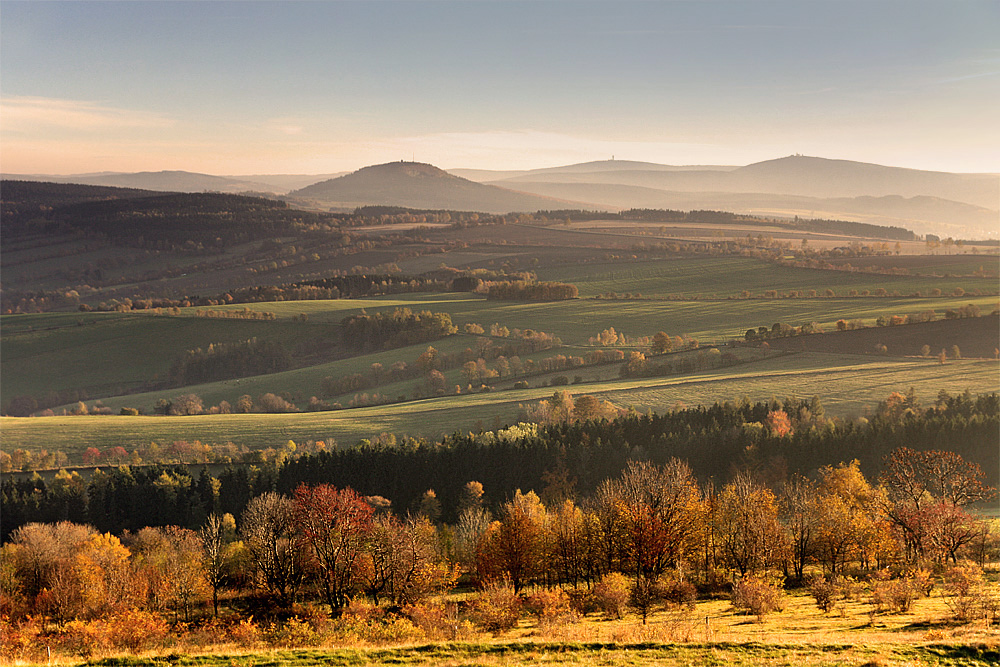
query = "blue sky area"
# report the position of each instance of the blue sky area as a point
(317, 87)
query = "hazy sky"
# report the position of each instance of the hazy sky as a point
(314, 87)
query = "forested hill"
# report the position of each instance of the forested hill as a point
(24, 201)
(145, 219)
(418, 185)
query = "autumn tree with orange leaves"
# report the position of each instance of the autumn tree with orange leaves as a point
(336, 526)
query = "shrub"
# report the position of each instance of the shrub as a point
(922, 581)
(758, 595)
(19, 641)
(850, 588)
(246, 633)
(680, 592)
(824, 591)
(970, 596)
(552, 607)
(497, 607)
(582, 601)
(895, 595)
(643, 594)
(131, 631)
(292, 633)
(611, 594)
(439, 620)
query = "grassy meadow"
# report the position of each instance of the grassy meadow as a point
(847, 385)
(710, 633)
(113, 353)
(730, 276)
(113, 356)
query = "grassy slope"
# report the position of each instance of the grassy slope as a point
(590, 654)
(847, 384)
(115, 351)
(576, 320)
(731, 275)
(49, 352)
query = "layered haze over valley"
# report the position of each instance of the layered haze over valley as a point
(945, 204)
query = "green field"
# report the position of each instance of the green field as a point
(730, 276)
(116, 352)
(847, 385)
(109, 353)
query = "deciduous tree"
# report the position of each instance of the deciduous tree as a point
(336, 525)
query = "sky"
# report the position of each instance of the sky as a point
(319, 87)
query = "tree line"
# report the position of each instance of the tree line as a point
(399, 328)
(649, 535)
(520, 290)
(774, 438)
(223, 361)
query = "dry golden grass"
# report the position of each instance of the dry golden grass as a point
(711, 633)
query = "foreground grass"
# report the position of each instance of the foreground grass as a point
(595, 653)
(847, 385)
(711, 633)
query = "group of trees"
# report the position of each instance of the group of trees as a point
(323, 539)
(782, 330)
(656, 525)
(638, 365)
(520, 290)
(396, 329)
(654, 520)
(207, 220)
(777, 438)
(223, 361)
(502, 347)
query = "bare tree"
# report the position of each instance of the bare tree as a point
(213, 536)
(268, 532)
(798, 515)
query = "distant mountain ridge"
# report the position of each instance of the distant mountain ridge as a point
(183, 181)
(424, 186)
(953, 204)
(925, 201)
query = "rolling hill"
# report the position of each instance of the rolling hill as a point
(944, 203)
(423, 186)
(185, 181)
(159, 181)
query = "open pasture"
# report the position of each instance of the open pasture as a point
(731, 276)
(576, 320)
(301, 383)
(115, 352)
(846, 384)
(974, 337)
(110, 353)
(965, 264)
